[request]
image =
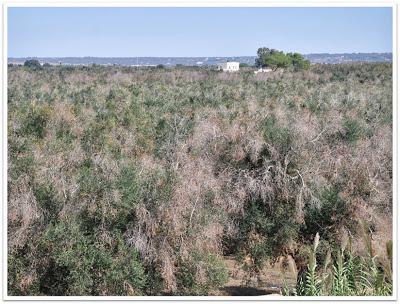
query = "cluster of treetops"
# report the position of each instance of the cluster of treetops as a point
(274, 59)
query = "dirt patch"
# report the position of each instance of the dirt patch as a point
(270, 281)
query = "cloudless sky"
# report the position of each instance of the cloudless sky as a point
(174, 32)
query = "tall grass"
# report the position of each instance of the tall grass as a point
(346, 274)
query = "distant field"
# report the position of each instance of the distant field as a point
(205, 61)
(153, 182)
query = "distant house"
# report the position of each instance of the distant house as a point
(230, 66)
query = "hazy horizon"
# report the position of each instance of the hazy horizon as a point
(221, 56)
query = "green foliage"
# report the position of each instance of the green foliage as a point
(201, 274)
(327, 215)
(154, 190)
(272, 58)
(47, 201)
(280, 137)
(352, 130)
(314, 104)
(64, 132)
(94, 137)
(345, 276)
(277, 59)
(18, 268)
(32, 63)
(265, 230)
(36, 121)
(311, 284)
(20, 152)
(93, 268)
(129, 186)
(93, 182)
(298, 61)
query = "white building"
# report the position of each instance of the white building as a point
(230, 66)
(263, 70)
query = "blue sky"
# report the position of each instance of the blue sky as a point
(168, 32)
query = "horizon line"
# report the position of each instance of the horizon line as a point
(322, 53)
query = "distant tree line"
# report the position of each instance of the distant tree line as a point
(274, 59)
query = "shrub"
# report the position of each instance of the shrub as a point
(352, 130)
(128, 184)
(201, 274)
(93, 268)
(47, 201)
(64, 132)
(36, 121)
(327, 215)
(21, 277)
(265, 230)
(23, 161)
(280, 137)
(316, 104)
(93, 139)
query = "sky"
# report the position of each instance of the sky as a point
(192, 32)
